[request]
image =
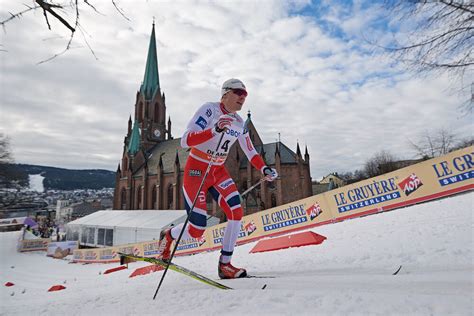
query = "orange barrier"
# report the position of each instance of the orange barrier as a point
(289, 241)
(8, 284)
(115, 269)
(56, 288)
(146, 270)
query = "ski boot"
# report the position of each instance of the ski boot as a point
(228, 271)
(166, 240)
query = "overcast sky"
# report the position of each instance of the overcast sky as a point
(311, 73)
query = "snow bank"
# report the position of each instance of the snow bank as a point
(349, 274)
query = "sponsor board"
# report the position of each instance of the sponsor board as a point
(33, 244)
(428, 180)
(454, 170)
(364, 194)
(151, 249)
(106, 254)
(293, 215)
(424, 181)
(288, 217)
(192, 243)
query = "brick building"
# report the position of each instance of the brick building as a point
(150, 174)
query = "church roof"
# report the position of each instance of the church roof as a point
(167, 151)
(151, 81)
(286, 154)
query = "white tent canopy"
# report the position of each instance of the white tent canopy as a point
(111, 228)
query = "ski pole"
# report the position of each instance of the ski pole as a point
(213, 157)
(252, 187)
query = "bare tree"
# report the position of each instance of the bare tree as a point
(434, 144)
(11, 178)
(380, 163)
(5, 151)
(60, 12)
(351, 177)
(442, 39)
(464, 143)
(7, 170)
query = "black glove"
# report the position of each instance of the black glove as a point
(269, 173)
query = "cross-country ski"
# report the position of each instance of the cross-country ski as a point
(127, 258)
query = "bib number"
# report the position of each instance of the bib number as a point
(225, 146)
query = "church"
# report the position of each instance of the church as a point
(151, 171)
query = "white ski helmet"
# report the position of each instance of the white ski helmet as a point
(232, 84)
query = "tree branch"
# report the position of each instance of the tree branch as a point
(49, 7)
(17, 15)
(457, 6)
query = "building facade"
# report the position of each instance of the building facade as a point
(150, 174)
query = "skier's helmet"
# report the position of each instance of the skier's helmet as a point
(232, 84)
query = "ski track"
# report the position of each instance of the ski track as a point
(349, 274)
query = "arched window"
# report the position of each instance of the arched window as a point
(123, 199)
(274, 200)
(170, 197)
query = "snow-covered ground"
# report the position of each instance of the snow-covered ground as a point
(36, 182)
(349, 274)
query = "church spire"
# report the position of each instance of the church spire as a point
(151, 81)
(134, 143)
(298, 150)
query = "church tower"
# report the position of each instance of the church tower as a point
(150, 106)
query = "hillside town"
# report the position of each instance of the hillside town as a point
(50, 209)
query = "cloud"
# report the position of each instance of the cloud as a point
(312, 78)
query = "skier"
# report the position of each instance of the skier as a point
(203, 134)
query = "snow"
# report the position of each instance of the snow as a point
(36, 182)
(349, 274)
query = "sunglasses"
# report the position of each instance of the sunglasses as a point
(240, 92)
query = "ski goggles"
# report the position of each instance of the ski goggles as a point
(240, 92)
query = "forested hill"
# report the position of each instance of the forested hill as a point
(59, 178)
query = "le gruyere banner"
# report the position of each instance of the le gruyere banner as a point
(428, 180)
(424, 181)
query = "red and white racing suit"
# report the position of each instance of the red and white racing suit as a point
(201, 136)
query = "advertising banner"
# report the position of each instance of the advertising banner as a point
(33, 244)
(279, 220)
(428, 180)
(424, 181)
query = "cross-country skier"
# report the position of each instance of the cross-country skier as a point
(203, 134)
